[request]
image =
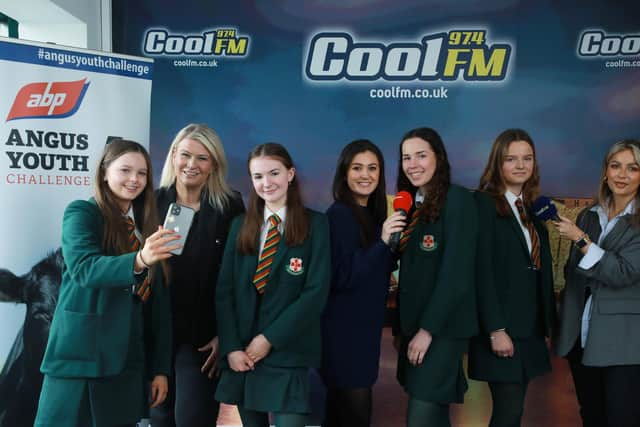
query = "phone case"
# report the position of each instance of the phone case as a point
(179, 219)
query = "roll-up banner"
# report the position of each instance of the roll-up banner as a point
(59, 106)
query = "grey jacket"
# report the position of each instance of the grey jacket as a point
(614, 328)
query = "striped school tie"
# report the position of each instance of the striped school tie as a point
(406, 234)
(535, 239)
(268, 254)
(142, 290)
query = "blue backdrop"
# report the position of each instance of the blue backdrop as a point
(573, 104)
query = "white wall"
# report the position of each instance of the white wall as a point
(79, 23)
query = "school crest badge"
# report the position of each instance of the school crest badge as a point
(295, 266)
(428, 243)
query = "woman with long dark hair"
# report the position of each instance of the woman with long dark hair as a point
(194, 175)
(361, 269)
(436, 301)
(600, 305)
(112, 320)
(515, 279)
(272, 289)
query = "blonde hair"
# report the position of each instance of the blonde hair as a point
(604, 192)
(216, 185)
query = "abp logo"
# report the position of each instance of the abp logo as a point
(47, 100)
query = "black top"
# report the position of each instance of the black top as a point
(194, 274)
(354, 315)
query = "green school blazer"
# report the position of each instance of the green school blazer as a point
(437, 272)
(295, 295)
(508, 287)
(89, 334)
(511, 295)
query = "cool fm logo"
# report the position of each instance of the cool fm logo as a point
(48, 100)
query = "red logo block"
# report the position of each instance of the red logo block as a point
(48, 100)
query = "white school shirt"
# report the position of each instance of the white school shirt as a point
(511, 199)
(282, 213)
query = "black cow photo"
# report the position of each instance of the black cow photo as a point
(20, 379)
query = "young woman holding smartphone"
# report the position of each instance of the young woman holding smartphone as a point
(112, 322)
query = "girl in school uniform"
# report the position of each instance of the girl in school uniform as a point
(515, 279)
(271, 291)
(361, 269)
(112, 320)
(437, 310)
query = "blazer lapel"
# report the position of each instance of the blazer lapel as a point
(518, 230)
(611, 239)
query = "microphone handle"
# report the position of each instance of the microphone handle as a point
(394, 239)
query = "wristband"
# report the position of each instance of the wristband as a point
(142, 260)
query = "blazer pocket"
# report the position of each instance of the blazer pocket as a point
(78, 335)
(619, 306)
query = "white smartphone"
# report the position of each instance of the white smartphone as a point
(179, 219)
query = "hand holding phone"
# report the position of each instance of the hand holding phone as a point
(179, 219)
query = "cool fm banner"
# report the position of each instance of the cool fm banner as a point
(58, 108)
(317, 75)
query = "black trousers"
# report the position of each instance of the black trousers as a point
(608, 396)
(190, 401)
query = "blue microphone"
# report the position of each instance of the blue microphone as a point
(544, 209)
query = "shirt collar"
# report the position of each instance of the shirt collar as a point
(282, 213)
(130, 214)
(419, 198)
(511, 198)
(629, 209)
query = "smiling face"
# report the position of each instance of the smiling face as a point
(517, 166)
(623, 175)
(363, 176)
(418, 161)
(271, 179)
(192, 164)
(126, 177)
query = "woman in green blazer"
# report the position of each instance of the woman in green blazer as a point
(515, 279)
(272, 288)
(112, 319)
(437, 306)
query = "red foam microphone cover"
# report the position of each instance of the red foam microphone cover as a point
(402, 201)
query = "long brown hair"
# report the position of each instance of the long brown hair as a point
(376, 202)
(115, 240)
(438, 186)
(296, 225)
(604, 192)
(492, 179)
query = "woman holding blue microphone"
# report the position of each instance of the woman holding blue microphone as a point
(515, 279)
(600, 312)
